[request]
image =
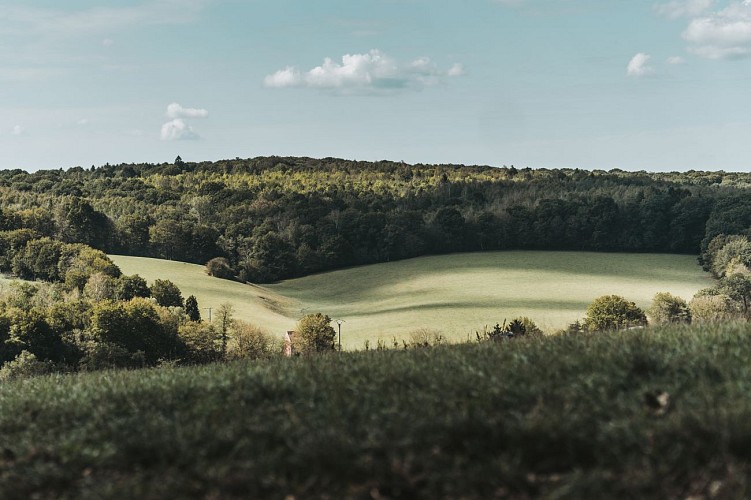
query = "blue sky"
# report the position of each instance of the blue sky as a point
(595, 84)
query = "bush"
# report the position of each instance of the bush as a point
(714, 309)
(252, 342)
(425, 337)
(313, 334)
(219, 267)
(24, 366)
(611, 312)
(667, 308)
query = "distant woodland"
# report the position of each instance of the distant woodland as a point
(271, 218)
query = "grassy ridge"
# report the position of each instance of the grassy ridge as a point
(455, 294)
(563, 417)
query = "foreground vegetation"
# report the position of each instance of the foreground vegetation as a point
(653, 413)
(455, 294)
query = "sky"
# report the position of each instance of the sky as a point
(656, 85)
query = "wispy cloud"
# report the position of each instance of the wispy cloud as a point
(683, 8)
(724, 34)
(55, 21)
(17, 130)
(372, 71)
(175, 110)
(675, 60)
(638, 65)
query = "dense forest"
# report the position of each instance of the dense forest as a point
(270, 218)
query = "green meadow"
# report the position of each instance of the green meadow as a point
(455, 294)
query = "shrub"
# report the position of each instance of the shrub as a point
(611, 312)
(24, 366)
(713, 308)
(425, 337)
(667, 308)
(313, 334)
(219, 267)
(251, 342)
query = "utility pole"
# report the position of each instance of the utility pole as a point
(339, 323)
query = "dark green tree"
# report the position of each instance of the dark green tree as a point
(166, 293)
(191, 308)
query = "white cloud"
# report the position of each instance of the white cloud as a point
(108, 42)
(175, 110)
(723, 34)
(371, 71)
(683, 8)
(287, 77)
(638, 66)
(674, 60)
(83, 122)
(177, 130)
(456, 70)
(17, 130)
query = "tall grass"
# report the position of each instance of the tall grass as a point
(564, 417)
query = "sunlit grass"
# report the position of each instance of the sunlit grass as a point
(456, 294)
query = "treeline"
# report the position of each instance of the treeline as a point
(273, 218)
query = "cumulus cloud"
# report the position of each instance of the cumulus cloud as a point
(638, 65)
(371, 71)
(175, 110)
(683, 8)
(178, 130)
(723, 34)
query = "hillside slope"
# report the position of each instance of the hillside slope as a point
(456, 294)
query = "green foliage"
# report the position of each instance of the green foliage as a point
(137, 327)
(274, 218)
(202, 342)
(713, 308)
(251, 342)
(100, 287)
(130, 287)
(313, 334)
(25, 365)
(191, 308)
(662, 413)
(219, 267)
(612, 312)
(166, 293)
(666, 308)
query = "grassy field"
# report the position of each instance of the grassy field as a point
(657, 413)
(456, 294)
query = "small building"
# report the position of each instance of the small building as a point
(288, 343)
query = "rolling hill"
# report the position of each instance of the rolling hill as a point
(456, 294)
